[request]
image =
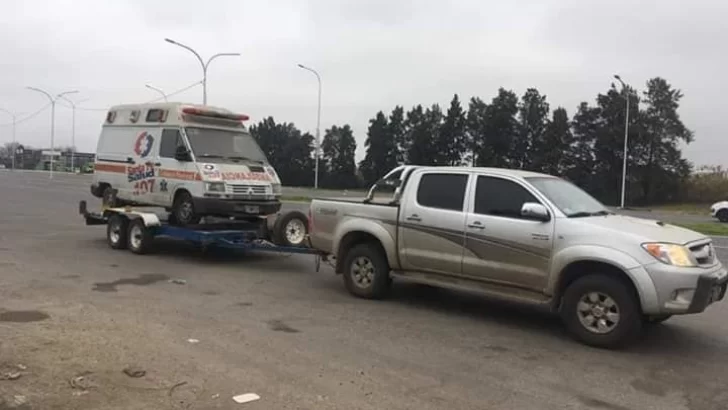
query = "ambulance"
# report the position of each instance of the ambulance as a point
(192, 160)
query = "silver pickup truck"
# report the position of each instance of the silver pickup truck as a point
(519, 236)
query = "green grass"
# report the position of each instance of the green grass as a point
(295, 198)
(692, 209)
(707, 228)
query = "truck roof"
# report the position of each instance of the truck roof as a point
(172, 114)
(497, 171)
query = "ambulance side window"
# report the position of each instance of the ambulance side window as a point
(170, 140)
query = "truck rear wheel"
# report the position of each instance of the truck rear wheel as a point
(366, 271)
(601, 311)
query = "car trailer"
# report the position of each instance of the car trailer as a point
(134, 228)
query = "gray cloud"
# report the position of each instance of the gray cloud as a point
(372, 55)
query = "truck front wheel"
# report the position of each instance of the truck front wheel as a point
(366, 271)
(723, 215)
(601, 311)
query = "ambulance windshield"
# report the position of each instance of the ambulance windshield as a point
(216, 145)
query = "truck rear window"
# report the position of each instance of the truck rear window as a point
(442, 191)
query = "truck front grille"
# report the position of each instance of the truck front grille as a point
(251, 190)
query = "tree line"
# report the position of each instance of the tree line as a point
(508, 131)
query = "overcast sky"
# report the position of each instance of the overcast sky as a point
(372, 55)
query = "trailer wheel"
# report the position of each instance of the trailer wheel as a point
(366, 271)
(116, 231)
(290, 229)
(140, 238)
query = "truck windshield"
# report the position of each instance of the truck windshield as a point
(569, 198)
(216, 144)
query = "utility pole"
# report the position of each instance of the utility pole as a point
(318, 126)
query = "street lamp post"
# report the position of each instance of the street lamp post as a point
(625, 91)
(14, 123)
(159, 90)
(203, 64)
(318, 126)
(73, 130)
(53, 118)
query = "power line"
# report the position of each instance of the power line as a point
(26, 118)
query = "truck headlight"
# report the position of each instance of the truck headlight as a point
(671, 254)
(215, 187)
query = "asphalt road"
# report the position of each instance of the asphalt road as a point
(74, 313)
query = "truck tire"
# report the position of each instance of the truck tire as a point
(184, 210)
(116, 231)
(722, 215)
(601, 311)
(139, 237)
(366, 271)
(290, 229)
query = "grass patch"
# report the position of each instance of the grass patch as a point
(707, 228)
(295, 198)
(692, 209)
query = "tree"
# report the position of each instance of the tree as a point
(420, 138)
(555, 143)
(529, 147)
(451, 140)
(500, 130)
(287, 150)
(579, 157)
(475, 124)
(339, 149)
(381, 154)
(398, 132)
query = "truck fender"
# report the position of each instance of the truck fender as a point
(609, 256)
(366, 227)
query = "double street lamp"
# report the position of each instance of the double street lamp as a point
(625, 91)
(53, 118)
(318, 125)
(204, 64)
(15, 117)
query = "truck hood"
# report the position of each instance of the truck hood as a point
(255, 174)
(646, 230)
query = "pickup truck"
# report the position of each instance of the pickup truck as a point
(524, 237)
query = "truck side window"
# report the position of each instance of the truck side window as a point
(500, 197)
(170, 140)
(443, 191)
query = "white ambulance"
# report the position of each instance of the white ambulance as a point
(193, 160)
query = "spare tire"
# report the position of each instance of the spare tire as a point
(291, 229)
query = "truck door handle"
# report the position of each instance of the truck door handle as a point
(476, 225)
(414, 217)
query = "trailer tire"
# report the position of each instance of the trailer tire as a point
(139, 237)
(291, 229)
(117, 231)
(366, 271)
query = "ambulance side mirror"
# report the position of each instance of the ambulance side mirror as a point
(182, 154)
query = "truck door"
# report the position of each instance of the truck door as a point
(432, 221)
(500, 244)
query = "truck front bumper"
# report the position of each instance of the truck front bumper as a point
(686, 290)
(234, 207)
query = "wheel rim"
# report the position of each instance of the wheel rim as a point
(362, 272)
(598, 312)
(186, 211)
(295, 231)
(115, 231)
(136, 235)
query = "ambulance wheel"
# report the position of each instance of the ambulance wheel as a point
(108, 198)
(291, 229)
(184, 210)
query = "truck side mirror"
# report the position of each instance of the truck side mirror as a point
(182, 154)
(535, 211)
